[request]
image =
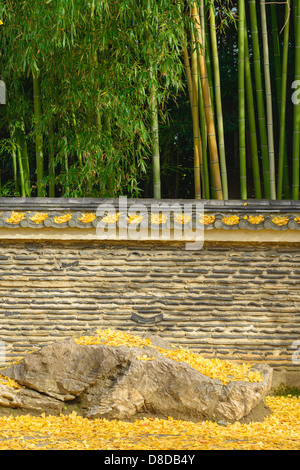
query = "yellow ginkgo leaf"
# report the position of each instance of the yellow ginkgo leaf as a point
(207, 219)
(231, 220)
(111, 218)
(39, 217)
(134, 219)
(87, 218)
(15, 218)
(223, 370)
(280, 220)
(63, 218)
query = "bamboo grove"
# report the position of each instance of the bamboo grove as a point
(156, 98)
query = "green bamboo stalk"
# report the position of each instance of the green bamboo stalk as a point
(268, 99)
(14, 158)
(207, 50)
(296, 119)
(98, 121)
(218, 98)
(51, 163)
(276, 48)
(211, 88)
(21, 170)
(90, 119)
(202, 20)
(286, 179)
(38, 134)
(196, 131)
(25, 163)
(241, 96)
(203, 132)
(66, 168)
(211, 132)
(260, 98)
(283, 93)
(23, 158)
(278, 78)
(252, 121)
(195, 114)
(77, 139)
(15, 168)
(155, 143)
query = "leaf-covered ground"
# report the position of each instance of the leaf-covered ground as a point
(280, 430)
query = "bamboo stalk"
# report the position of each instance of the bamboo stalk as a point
(252, 121)
(241, 96)
(195, 114)
(260, 98)
(207, 50)
(203, 132)
(202, 21)
(66, 168)
(23, 158)
(296, 119)
(21, 170)
(15, 168)
(268, 99)
(155, 143)
(283, 92)
(38, 134)
(211, 133)
(14, 157)
(276, 48)
(51, 163)
(286, 179)
(25, 162)
(196, 130)
(218, 99)
(77, 139)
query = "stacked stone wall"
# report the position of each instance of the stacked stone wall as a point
(233, 301)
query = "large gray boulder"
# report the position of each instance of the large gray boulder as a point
(111, 382)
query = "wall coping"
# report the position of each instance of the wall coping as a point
(235, 220)
(88, 204)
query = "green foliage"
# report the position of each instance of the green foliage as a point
(89, 131)
(93, 62)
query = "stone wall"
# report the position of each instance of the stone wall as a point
(233, 301)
